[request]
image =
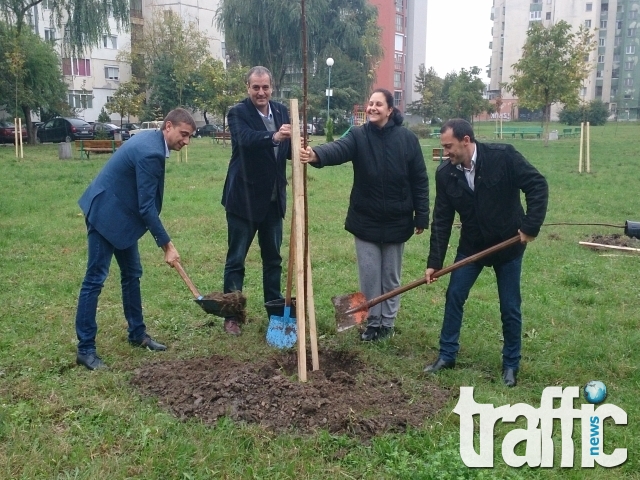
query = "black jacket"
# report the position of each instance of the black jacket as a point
(492, 212)
(254, 168)
(390, 193)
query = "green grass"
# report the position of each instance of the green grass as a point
(57, 421)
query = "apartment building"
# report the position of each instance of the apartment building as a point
(94, 78)
(615, 78)
(404, 43)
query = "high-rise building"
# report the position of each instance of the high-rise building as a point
(403, 26)
(615, 78)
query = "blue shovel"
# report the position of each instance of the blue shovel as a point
(283, 331)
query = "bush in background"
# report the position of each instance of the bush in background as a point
(595, 112)
(329, 129)
(421, 130)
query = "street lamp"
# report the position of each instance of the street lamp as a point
(329, 92)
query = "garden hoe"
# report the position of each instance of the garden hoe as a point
(353, 309)
(219, 304)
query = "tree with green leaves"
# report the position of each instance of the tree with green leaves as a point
(83, 22)
(266, 32)
(429, 85)
(126, 100)
(462, 95)
(553, 67)
(30, 76)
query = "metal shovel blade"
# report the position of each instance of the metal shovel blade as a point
(351, 310)
(283, 331)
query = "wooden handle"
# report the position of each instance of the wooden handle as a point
(439, 273)
(186, 279)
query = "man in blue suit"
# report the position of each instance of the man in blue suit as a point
(254, 193)
(120, 205)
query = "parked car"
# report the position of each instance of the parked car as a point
(8, 132)
(109, 129)
(64, 129)
(130, 126)
(207, 130)
(147, 126)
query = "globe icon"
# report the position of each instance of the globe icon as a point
(595, 391)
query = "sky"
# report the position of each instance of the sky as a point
(458, 35)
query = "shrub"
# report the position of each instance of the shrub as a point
(595, 112)
(329, 129)
(421, 130)
(104, 117)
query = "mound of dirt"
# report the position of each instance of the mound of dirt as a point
(615, 239)
(345, 396)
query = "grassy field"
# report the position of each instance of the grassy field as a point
(59, 421)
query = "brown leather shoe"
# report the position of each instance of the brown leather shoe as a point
(231, 326)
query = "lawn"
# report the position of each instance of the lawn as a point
(60, 421)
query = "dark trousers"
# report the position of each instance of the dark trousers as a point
(100, 253)
(240, 235)
(462, 279)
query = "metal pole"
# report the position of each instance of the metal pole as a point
(329, 93)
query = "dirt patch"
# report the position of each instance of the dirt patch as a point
(345, 396)
(615, 239)
(228, 305)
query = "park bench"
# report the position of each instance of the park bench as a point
(512, 131)
(85, 147)
(218, 136)
(537, 131)
(519, 131)
(438, 155)
(567, 132)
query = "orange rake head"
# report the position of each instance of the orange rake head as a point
(351, 310)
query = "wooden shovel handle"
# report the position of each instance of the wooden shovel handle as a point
(186, 279)
(439, 273)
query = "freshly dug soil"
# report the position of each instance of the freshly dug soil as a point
(615, 239)
(231, 304)
(344, 396)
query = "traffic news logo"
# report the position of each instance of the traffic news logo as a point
(538, 434)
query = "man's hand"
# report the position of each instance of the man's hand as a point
(171, 255)
(307, 155)
(428, 274)
(283, 133)
(524, 238)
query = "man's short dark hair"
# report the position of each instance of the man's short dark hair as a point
(259, 71)
(460, 128)
(179, 115)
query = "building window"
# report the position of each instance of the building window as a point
(630, 50)
(50, 34)
(109, 99)
(589, 7)
(399, 43)
(600, 58)
(631, 32)
(80, 99)
(587, 23)
(76, 66)
(604, 7)
(603, 24)
(397, 79)
(628, 96)
(615, 73)
(583, 91)
(399, 23)
(598, 90)
(619, 25)
(111, 73)
(628, 65)
(586, 58)
(548, 16)
(47, 4)
(633, 14)
(601, 42)
(399, 6)
(614, 92)
(628, 82)
(599, 74)
(398, 61)
(110, 41)
(535, 15)
(617, 41)
(397, 98)
(616, 57)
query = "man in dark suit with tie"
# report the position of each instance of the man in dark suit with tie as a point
(119, 206)
(254, 193)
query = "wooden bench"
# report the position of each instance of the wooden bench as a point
(86, 147)
(221, 136)
(438, 155)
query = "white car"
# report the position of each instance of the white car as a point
(144, 126)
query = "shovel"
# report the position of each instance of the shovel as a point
(282, 332)
(353, 309)
(214, 307)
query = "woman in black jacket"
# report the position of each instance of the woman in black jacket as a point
(389, 201)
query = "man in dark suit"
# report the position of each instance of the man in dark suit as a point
(120, 205)
(254, 193)
(482, 182)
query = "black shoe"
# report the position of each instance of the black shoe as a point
(510, 377)
(370, 334)
(438, 365)
(149, 343)
(385, 332)
(92, 361)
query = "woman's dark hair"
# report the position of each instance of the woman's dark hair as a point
(396, 116)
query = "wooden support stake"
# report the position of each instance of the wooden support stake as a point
(298, 195)
(588, 148)
(20, 137)
(313, 335)
(581, 144)
(15, 134)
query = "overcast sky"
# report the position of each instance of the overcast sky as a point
(458, 35)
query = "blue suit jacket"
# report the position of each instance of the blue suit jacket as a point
(254, 168)
(125, 199)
